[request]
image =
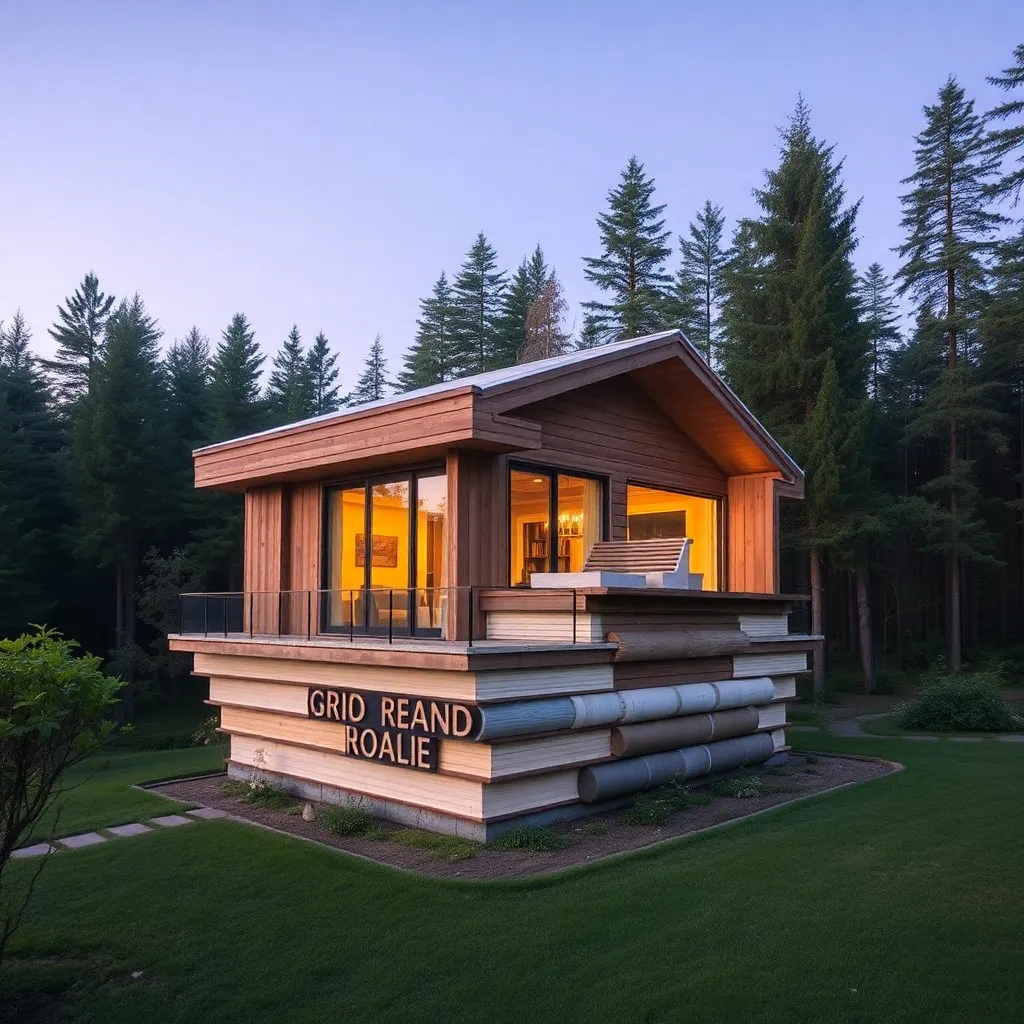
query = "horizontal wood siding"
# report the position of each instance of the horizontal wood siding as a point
(752, 535)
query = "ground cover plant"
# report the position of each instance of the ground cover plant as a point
(971, 702)
(859, 870)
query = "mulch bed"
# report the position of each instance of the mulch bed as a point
(800, 779)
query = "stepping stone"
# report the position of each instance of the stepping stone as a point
(964, 739)
(85, 839)
(171, 820)
(208, 813)
(1016, 737)
(38, 850)
(923, 739)
(136, 828)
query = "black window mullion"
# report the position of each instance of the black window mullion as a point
(553, 523)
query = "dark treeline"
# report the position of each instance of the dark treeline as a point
(902, 397)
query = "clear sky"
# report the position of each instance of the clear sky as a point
(321, 162)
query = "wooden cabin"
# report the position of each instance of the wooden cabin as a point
(446, 613)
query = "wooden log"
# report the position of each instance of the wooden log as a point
(670, 733)
(683, 643)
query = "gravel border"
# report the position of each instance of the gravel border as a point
(827, 773)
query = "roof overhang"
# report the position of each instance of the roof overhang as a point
(482, 413)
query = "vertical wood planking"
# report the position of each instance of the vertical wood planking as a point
(753, 553)
(303, 539)
(265, 557)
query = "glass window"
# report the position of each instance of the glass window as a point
(654, 513)
(529, 511)
(580, 520)
(386, 567)
(577, 504)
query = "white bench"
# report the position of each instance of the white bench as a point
(660, 563)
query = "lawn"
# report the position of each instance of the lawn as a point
(899, 900)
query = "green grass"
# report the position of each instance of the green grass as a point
(99, 792)
(899, 900)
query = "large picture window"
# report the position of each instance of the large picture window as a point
(387, 544)
(652, 513)
(554, 520)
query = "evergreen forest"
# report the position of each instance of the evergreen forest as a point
(900, 392)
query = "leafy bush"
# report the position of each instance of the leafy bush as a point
(347, 821)
(445, 847)
(53, 715)
(528, 837)
(261, 794)
(166, 741)
(961, 703)
(594, 828)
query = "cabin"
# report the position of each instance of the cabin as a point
(508, 599)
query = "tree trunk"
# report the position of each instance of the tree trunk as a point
(867, 647)
(954, 626)
(817, 621)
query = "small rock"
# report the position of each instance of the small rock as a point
(137, 974)
(308, 813)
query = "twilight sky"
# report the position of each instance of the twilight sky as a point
(321, 162)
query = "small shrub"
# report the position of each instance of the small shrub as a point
(657, 806)
(594, 828)
(444, 847)
(743, 787)
(166, 741)
(967, 703)
(378, 832)
(270, 797)
(207, 732)
(810, 757)
(234, 787)
(527, 837)
(347, 821)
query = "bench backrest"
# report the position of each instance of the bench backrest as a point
(641, 556)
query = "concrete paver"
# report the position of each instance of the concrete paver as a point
(38, 850)
(136, 828)
(85, 839)
(171, 820)
(208, 813)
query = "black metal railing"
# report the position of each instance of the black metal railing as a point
(389, 613)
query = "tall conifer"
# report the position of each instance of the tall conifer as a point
(948, 224)
(1008, 141)
(477, 293)
(524, 289)
(631, 268)
(796, 352)
(880, 317)
(322, 367)
(435, 355)
(373, 383)
(694, 301)
(120, 468)
(290, 389)
(79, 333)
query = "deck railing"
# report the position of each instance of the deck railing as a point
(387, 613)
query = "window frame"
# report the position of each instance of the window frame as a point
(553, 473)
(721, 511)
(409, 476)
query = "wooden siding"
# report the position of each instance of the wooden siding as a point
(302, 564)
(752, 540)
(264, 568)
(613, 429)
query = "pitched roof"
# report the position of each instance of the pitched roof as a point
(481, 411)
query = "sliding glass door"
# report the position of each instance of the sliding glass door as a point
(386, 563)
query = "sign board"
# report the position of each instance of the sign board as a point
(392, 728)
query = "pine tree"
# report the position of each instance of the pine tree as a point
(630, 269)
(32, 566)
(1004, 142)
(234, 408)
(119, 466)
(79, 333)
(948, 225)
(373, 383)
(478, 293)
(434, 356)
(795, 344)
(880, 316)
(322, 370)
(545, 337)
(290, 389)
(524, 289)
(694, 302)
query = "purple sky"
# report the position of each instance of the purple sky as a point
(322, 162)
